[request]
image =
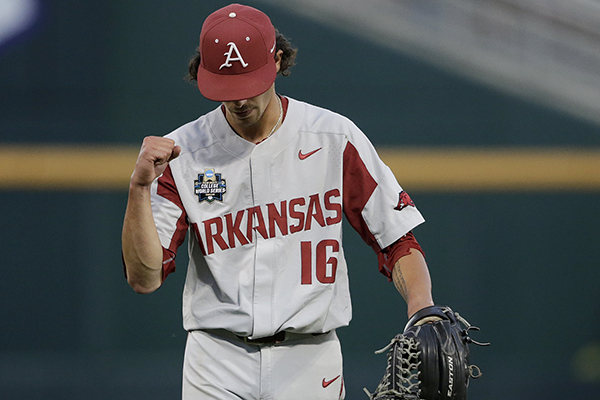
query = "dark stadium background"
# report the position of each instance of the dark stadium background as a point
(522, 265)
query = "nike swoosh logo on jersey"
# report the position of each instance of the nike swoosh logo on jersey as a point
(303, 156)
(327, 383)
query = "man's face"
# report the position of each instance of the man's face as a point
(249, 112)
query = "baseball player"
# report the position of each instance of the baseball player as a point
(260, 185)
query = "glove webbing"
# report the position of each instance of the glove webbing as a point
(401, 379)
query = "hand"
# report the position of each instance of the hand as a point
(428, 320)
(155, 154)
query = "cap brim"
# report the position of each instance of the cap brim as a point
(223, 87)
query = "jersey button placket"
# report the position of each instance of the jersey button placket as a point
(263, 268)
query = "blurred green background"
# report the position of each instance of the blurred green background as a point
(521, 265)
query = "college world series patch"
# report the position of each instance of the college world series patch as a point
(210, 186)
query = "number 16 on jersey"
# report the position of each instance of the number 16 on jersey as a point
(323, 256)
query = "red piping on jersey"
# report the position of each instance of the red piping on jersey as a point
(284, 105)
(359, 185)
(168, 190)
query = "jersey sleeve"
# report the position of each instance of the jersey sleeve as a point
(374, 202)
(169, 217)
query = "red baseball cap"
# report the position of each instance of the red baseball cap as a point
(237, 50)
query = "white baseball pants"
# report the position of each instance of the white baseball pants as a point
(221, 366)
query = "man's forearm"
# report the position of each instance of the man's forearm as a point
(411, 277)
(142, 251)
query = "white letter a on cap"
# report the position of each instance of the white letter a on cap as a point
(232, 48)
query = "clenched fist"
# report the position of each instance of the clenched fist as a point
(155, 154)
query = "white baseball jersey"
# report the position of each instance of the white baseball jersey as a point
(265, 221)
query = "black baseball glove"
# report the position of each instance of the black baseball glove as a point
(430, 360)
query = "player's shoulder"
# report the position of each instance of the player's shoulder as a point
(195, 134)
(323, 120)
(317, 114)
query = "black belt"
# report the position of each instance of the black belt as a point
(276, 338)
(279, 337)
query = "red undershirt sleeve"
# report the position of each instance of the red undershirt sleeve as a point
(390, 255)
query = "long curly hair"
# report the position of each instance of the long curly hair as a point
(288, 58)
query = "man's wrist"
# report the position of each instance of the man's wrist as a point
(416, 305)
